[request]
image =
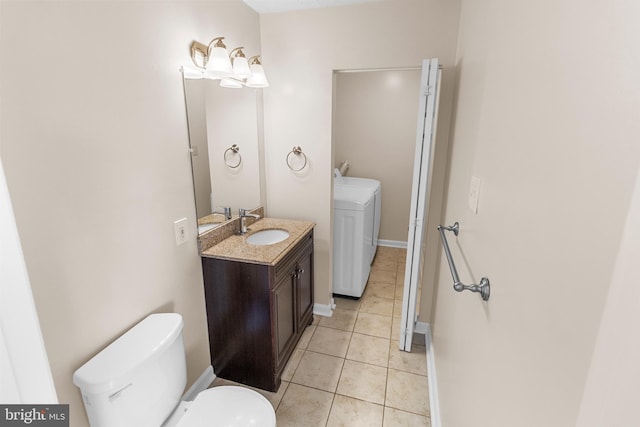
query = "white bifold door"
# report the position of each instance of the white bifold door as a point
(420, 192)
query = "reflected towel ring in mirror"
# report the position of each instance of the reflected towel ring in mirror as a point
(297, 151)
(228, 154)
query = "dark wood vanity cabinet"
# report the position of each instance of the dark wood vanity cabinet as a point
(257, 313)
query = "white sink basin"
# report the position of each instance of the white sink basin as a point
(267, 237)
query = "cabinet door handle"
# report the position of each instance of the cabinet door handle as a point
(298, 272)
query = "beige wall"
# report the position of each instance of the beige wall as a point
(301, 51)
(374, 128)
(95, 150)
(613, 384)
(546, 115)
(232, 119)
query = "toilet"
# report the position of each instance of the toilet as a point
(138, 381)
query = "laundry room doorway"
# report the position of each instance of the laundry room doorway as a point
(375, 117)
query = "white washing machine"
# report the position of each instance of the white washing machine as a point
(353, 243)
(374, 186)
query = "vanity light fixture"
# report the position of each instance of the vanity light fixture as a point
(213, 58)
(258, 77)
(240, 63)
(233, 70)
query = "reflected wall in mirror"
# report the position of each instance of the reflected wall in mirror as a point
(220, 118)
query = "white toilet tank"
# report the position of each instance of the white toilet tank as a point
(138, 379)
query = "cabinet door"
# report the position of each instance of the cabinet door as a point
(285, 321)
(304, 270)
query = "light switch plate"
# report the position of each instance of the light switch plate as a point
(180, 231)
(474, 194)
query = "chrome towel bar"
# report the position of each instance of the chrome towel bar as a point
(484, 288)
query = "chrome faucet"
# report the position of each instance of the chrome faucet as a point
(242, 213)
(227, 213)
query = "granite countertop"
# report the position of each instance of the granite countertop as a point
(236, 248)
(214, 218)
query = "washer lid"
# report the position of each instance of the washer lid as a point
(351, 197)
(371, 184)
(229, 406)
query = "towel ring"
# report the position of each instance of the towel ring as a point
(298, 152)
(235, 149)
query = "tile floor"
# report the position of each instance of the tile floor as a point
(347, 369)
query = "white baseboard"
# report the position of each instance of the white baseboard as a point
(421, 328)
(434, 402)
(325, 310)
(202, 383)
(392, 243)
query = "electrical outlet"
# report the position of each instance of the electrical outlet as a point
(474, 194)
(180, 231)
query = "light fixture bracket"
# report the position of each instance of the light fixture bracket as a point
(237, 53)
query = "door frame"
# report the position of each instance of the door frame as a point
(420, 193)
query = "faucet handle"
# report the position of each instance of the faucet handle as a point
(242, 212)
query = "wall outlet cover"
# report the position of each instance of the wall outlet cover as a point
(180, 231)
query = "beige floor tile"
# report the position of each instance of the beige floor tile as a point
(397, 308)
(377, 305)
(348, 412)
(387, 253)
(408, 392)
(399, 291)
(414, 362)
(373, 324)
(369, 349)
(304, 406)
(397, 418)
(363, 381)
(395, 328)
(292, 364)
(318, 371)
(379, 289)
(384, 264)
(341, 319)
(274, 398)
(330, 341)
(306, 336)
(347, 303)
(382, 276)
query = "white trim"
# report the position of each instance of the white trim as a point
(201, 384)
(392, 243)
(421, 328)
(24, 362)
(434, 401)
(325, 310)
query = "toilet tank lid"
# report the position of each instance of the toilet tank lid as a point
(115, 364)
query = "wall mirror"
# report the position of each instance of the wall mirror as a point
(226, 139)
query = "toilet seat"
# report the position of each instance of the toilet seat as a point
(229, 406)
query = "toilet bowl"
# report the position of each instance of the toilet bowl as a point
(230, 406)
(138, 379)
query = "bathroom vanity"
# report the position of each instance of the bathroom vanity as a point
(259, 301)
